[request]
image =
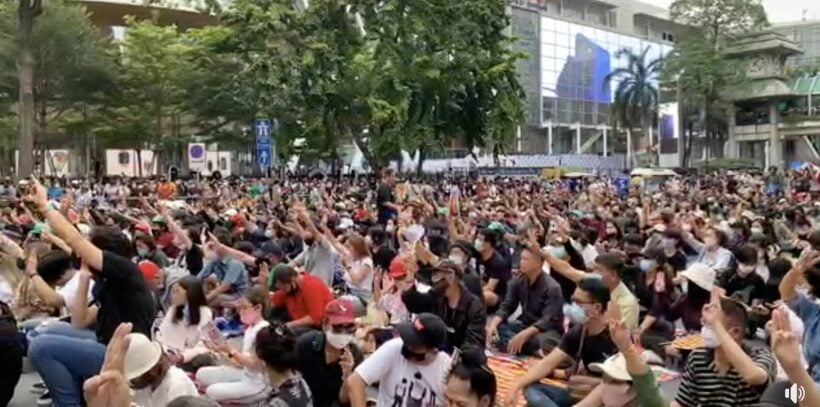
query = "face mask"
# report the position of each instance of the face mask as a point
(684, 286)
(440, 286)
(456, 259)
(756, 231)
(389, 228)
(710, 340)
(646, 265)
(268, 233)
(616, 395)
(412, 356)
(478, 243)
(338, 341)
(744, 270)
(559, 252)
(575, 313)
(142, 251)
(248, 317)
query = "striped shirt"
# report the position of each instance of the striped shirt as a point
(703, 386)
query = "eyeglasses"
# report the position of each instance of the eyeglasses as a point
(344, 328)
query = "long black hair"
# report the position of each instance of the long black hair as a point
(196, 299)
(471, 367)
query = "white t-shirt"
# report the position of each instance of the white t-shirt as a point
(175, 384)
(401, 383)
(249, 348)
(181, 337)
(69, 290)
(6, 292)
(365, 287)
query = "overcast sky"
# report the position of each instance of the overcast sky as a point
(779, 11)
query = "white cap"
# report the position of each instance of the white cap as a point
(614, 367)
(346, 223)
(142, 356)
(700, 274)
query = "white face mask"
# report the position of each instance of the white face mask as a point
(710, 339)
(456, 259)
(268, 233)
(338, 341)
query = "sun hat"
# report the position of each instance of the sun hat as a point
(142, 355)
(700, 274)
(614, 367)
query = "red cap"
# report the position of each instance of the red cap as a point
(148, 269)
(398, 267)
(142, 227)
(340, 312)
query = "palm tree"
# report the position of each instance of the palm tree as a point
(636, 93)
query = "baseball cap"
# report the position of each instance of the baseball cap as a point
(269, 249)
(159, 219)
(141, 227)
(142, 355)
(397, 268)
(614, 367)
(340, 312)
(775, 395)
(148, 269)
(427, 330)
(700, 274)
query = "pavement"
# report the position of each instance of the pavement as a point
(23, 397)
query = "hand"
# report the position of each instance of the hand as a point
(492, 334)
(785, 344)
(109, 388)
(619, 334)
(346, 363)
(672, 351)
(517, 343)
(807, 261)
(38, 194)
(712, 312)
(264, 273)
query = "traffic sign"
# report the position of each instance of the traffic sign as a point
(263, 155)
(263, 130)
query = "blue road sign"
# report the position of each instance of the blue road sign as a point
(263, 143)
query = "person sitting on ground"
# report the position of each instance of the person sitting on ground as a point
(359, 270)
(725, 371)
(122, 295)
(586, 342)
(540, 325)
(319, 258)
(164, 236)
(387, 295)
(609, 267)
(494, 268)
(470, 383)
(224, 272)
(406, 368)
(152, 376)
(276, 348)
(744, 284)
(712, 251)
(241, 382)
(180, 330)
(55, 280)
(806, 307)
(449, 298)
(328, 357)
(304, 298)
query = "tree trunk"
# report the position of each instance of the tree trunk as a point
(358, 140)
(139, 162)
(28, 10)
(420, 164)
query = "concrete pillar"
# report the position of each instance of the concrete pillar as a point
(578, 139)
(732, 149)
(629, 148)
(605, 142)
(549, 138)
(775, 145)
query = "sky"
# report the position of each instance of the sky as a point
(779, 11)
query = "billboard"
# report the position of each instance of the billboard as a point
(575, 62)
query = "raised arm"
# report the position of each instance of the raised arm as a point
(790, 281)
(89, 253)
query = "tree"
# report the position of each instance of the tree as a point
(697, 63)
(147, 109)
(28, 10)
(636, 95)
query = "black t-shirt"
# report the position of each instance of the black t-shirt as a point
(194, 259)
(595, 348)
(384, 194)
(324, 380)
(496, 267)
(677, 261)
(123, 296)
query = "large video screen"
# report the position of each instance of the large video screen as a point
(575, 60)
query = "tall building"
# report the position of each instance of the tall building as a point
(807, 35)
(572, 46)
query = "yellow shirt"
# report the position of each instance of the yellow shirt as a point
(628, 304)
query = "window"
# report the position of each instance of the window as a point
(124, 158)
(223, 164)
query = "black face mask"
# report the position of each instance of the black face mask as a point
(309, 241)
(440, 286)
(411, 356)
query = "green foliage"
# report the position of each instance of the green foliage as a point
(697, 62)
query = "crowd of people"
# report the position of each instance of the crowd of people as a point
(400, 293)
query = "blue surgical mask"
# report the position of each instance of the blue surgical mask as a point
(142, 251)
(559, 252)
(576, 313)
(646, 265)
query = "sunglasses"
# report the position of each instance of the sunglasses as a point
(344, 328)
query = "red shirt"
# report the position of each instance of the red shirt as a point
(311, 299)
